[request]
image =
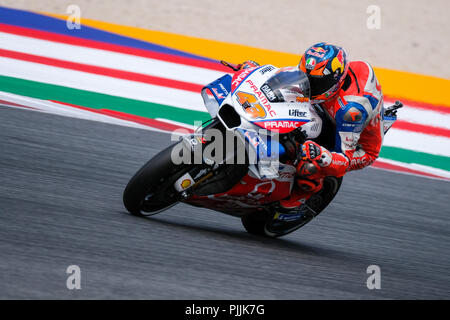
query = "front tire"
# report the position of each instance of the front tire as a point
(151, 190)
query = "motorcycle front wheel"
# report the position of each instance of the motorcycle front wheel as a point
(151, 190)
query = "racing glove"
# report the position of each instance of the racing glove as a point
(247, 64)
(317, 162)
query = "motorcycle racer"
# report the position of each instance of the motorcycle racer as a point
(350, 95)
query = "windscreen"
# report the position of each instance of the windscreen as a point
(290, 78)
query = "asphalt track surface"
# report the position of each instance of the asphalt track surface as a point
(61, 184)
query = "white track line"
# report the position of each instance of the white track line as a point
(424, 117)
(101, 84)
(445, 175)
(68, 111)
(417, 142)
(107, 59)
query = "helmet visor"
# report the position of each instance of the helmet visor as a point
(321, 84)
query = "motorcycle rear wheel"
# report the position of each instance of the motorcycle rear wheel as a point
(265, 225)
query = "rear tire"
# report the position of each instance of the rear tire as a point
(151, 190)
(254, 223)
(264, 225)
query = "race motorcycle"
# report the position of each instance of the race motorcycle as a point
(266, 114)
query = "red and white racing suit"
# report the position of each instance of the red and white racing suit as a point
(356, 111)
(357, 114)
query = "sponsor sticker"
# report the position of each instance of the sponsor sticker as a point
(319, 49)
(253, 140)
(266, 69)
(218, 94)
(302, 99)
(225, 91)
(282, 124)
(316, 54)
(262, 98)
(249, 103)
(288, 216)
(184, 182)
(338, 62)
(297, 113)
(310, 63)
(240, 76)
(269, 93)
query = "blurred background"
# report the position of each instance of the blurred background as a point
(412, 35)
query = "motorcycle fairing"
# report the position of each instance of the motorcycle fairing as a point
(388, 121)
(219, 89)
(256, 108)
(282, 117)
(250, 192)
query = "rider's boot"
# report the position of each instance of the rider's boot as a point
(301, 193)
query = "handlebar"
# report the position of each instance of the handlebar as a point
(392, 110)
(235, 67)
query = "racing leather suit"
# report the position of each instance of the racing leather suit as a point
(356, 112)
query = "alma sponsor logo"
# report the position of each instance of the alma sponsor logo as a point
(262, 98)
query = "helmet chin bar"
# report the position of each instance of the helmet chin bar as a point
(322, 98)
